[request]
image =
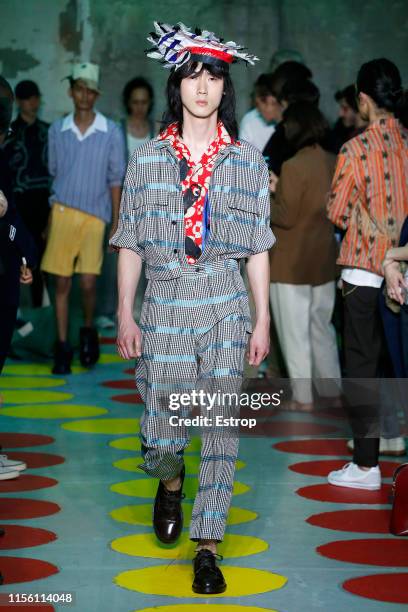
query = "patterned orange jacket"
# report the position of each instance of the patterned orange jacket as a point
(369, 195)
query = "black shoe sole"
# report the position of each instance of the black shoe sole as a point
(209, 591)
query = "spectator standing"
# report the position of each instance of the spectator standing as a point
(87, 163)
(303, 262)
(138, 127)
(276, 150)
(26, 149)
(15, 243)
(369, 200)
(349, 123)
(258, 125)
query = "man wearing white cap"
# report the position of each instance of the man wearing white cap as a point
(87, 163)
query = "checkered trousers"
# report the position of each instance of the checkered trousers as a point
(177, 360)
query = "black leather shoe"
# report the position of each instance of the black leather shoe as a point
(89, 346)
(208, 578)
(62, 358)
(167, 512)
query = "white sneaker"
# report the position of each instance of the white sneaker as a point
(10, 464)
(8, 474)
(104, 323)
(353, 477)
(393, 447)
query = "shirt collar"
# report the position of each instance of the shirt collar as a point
(384, 123)
(99, 124)
(167, 136)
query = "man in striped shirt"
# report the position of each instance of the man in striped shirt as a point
(87, 163)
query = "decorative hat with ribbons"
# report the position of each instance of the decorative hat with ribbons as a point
(175, 45)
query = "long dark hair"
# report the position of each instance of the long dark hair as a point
(137, 83)
(226, 110)
(381, 80)
(305, 125)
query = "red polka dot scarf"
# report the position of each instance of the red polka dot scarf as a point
(195, 179)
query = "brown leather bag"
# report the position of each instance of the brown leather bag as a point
(399, 512)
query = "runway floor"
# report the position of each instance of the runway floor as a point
(78, 520)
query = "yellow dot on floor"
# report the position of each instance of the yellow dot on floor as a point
(205, 608)
(104, 426)
(192, 464)
(147, 545)
(175, 580)
(147, 487)
(29, 382)
(34, 397)
(36, 369)
(109, 358)
(53, 411)
(142, 515)
(128, 444)
(133, 444)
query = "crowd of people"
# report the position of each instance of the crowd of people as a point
(67, 186)
(338, 210)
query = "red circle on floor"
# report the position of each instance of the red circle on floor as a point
(19, 569)
(392, 588)
(20, 440)
(328, 447)
(12, 508)
(19, 536)
(323, 467)
(128, 383)
(287, 428)
(26, 482)
(36, 460)
(375, 551)
(354, 521)
(106, 340)
(129, 398)
(343, 495)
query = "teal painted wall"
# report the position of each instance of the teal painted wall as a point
(41, 38)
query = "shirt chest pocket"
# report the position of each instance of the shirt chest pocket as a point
(157, 217)
(238, 221)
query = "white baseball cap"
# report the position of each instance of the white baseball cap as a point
(87, 72)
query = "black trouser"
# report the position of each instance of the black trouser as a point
(363, 340)
(9, 297)
(34, 210)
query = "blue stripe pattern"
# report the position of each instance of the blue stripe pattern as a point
(84, 170)
(169, 358)
(218, 299)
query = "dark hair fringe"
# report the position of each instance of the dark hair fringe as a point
(226, 110)
(137, 83)
(381, 80)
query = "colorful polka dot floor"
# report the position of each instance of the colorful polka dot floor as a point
(78, 520)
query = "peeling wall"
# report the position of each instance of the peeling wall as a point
(41, 38)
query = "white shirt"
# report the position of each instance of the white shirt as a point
(133, 142)
(255, 130)
(361, 278)
(99, 123)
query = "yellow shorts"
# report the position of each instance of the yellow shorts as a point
(75, 242)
